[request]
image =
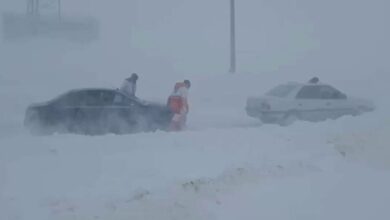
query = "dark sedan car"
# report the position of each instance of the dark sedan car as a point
(96, 111)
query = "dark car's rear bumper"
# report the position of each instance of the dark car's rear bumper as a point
(31, 117)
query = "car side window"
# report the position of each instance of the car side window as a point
(320, 92)
(309, 92)
(281, 91)
(70, 99)
(106, 97)
(92, 98)
(328, 92)
(99, 98)
(120, 99)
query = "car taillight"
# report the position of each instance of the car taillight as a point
(265, 106)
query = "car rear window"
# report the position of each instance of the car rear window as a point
(281, 91)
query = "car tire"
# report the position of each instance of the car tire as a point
(118, 125)
(153, 127)
(78, 124)
(142, 124)
(288, 119)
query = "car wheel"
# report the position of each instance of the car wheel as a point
(142, 124)
(117, 124)
(267, 120)
(115, 129)
(153, 126)
(288, 119)
(79, 125)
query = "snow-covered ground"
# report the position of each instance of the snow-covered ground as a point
(226, 165)
(336, 169)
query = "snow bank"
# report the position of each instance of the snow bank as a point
(295, 172)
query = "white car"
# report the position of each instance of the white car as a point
(304, 101)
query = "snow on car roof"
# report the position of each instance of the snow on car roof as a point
(91, 89)
(306, 84)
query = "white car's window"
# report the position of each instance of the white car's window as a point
(320, 92)
(309, 92)
(329, 92)
(281, 91)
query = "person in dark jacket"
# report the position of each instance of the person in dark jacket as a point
(129, 85)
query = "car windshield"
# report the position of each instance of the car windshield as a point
(281, 91)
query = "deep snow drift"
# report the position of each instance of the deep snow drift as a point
(226, 165)
(304, 171)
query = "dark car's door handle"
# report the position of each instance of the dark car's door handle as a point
(328, 104)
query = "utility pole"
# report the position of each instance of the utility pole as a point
(232, 37)
(59, 10)
(30, 6)
(33, 7)
(37, 5)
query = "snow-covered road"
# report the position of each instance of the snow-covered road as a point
(334, 169)
(225, 166)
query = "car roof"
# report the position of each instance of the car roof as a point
(83, 90)
(298, 86)
(105, 90)
(92, 89)
(306, 84)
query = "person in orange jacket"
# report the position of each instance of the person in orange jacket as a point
(178, 103)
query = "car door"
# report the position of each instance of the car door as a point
(80, 110)
(67, 107)
(94, 104)
(310, 105)
(336, 103)
(87, 114)
(121, 115)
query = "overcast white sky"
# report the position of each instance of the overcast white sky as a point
(338, 37)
